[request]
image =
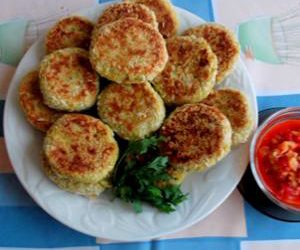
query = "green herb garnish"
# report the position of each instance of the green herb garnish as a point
(141, 175)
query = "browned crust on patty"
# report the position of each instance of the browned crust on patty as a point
(68, 81)
(123, 10)
(235, 106)
(81, 147)
(73, 31)
(31, 101)
(90, 190)
(223, 43)
(133, 111)
(165, 14)
(196, 137)
(189, 75)
(128, 51)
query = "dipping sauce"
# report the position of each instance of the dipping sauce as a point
(278, 161)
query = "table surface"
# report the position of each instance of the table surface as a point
(235, 225)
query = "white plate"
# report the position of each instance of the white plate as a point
(114, 219)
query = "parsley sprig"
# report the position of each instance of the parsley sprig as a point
(138, 173)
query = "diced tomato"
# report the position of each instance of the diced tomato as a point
(297, 138)
(278, 160)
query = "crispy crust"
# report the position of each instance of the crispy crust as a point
(31, 101)
(197, 137)
(90, 190)
(235, 106)
(128, 51)
(190, 73)
(165, 15)
(178, 175)
(73, 31)
(123, 10)
(81, 148)
(223, 43)
(132, 111)
(67, 80)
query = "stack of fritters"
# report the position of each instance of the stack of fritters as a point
(74, 31)
(133, 111)
(124, 10)
(133, 45)
(31, 100)
(223, 43)
(67, 80)
(79, 154)
(190, 74)
(128, 51)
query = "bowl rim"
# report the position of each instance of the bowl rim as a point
(259, 181)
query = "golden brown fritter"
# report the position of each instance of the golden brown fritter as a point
(128, 51)
(223, 43)
(197, 136)
(88, 189)
(31, 100)
(235, 106)
(190, 73)
(133, 111)
(165, 15)
(68, 81)
(81, 148)
(122, 10)
(73, 31)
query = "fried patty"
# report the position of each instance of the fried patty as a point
(178, 175)
(197, 136)
(133, 111)
(190, 73)
(165, 14)
(223, 43)
(73, 31)
(80, 148)
(128, 51)
(68, 81)
(235, 106)
(31, 101)
(123, 10)
(91, 190)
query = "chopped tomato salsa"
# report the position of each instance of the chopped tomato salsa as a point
(278, 161)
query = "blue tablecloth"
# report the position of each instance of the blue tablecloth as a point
(24, 224)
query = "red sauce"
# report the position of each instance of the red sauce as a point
(278, 161)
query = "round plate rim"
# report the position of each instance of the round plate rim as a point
(152, 236)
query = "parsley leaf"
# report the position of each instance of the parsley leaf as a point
(137, 206)
(143, 146)
(138, 173)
